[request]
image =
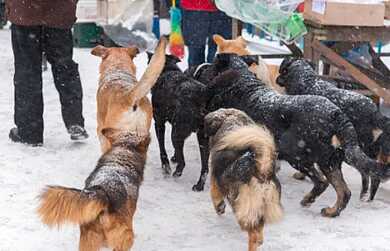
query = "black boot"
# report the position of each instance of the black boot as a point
(77, 133)
(15, 137)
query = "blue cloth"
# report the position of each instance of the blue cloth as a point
(198, 28)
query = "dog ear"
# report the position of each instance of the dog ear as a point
(150, 55)
(133, 51)
(142, 142)
(218, 39)
(100, 51)
(212, 123)
(242, 41)
(109, 133)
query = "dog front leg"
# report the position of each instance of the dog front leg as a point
(204, 156)
(255, 238)
(160, 132)
(217, 197)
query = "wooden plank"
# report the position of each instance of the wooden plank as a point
(350, 69)
(351, 33)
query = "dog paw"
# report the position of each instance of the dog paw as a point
(299, 176)
(177, 173)
(365, 197)
(166, 168)
(198, 187)
(330, 212)
(174, 159)
(307, 201)
(220, 209)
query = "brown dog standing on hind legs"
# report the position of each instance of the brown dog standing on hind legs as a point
(105, 207)
(121, 99)
(267, 73)
(242, 160)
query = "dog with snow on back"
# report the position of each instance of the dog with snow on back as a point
(105, 207)
(121, 99)
(181, 101)
(242, 161)
(298, 77)
(303, 127)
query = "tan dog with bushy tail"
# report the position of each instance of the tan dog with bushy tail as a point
(242, 160)
(265, 72)
(121, 99)
(105, 207)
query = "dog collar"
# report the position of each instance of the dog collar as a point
(198, 68)
(119, 75)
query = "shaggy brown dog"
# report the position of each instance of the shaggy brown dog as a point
(242, 160)
(267, 73)
(121, 100)
(104, 209)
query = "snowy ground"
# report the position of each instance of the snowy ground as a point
(170, 217)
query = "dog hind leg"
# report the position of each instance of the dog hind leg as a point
(204, 155)
(217, 197)
(160, 132)
(335, 177)
(178, 136)
(91, 238)
(255, 238)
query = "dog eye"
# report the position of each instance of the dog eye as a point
(284, 71)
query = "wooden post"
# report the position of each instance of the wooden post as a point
(350, 69)
(236, 28)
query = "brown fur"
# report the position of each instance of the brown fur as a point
(100, 226)
(265, 72)
(122, 105)
(257, 202)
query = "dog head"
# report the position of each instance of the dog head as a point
(214, 120)
(226, 61)
(291, 66)
(116, 56)
(237, 46)
(171, 61)
(127, 139)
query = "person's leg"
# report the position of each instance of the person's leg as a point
(58, 46)
(196, 55)
(28, 108)
(194, 27)
(221, 24)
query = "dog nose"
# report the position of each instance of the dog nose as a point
(280, 80)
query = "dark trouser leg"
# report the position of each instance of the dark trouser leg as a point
(59, 51)
(196, 55)
(221, 24)
(28, 110)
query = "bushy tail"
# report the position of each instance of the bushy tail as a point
(153, 70)
(254, 142)
(59, 205)
(354, 155)
(259, 198)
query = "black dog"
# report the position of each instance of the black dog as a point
(373, 129)
(302, 125)
(181, 101)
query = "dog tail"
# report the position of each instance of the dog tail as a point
(259, 197)
(59, 205)
(153, 70)
(354, 155)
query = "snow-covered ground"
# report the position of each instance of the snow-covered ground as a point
(170, 217)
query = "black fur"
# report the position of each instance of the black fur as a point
(181, 101)
(302, 125)
(298, 77)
